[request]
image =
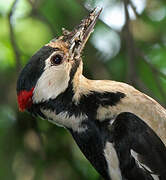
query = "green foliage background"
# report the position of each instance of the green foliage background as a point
(33, 149)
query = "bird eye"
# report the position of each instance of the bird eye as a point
(56, 59)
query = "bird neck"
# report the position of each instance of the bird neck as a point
(80, 84)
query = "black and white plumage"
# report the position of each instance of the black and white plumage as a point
(120, 130)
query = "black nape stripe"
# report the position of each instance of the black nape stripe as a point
(74, 69)
(88, 104)
(33, 69)
(92, 101)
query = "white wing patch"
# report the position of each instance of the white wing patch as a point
(112, 162)
(63, 119)
(143, 166)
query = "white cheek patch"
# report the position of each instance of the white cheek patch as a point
(112, 162)
(53, 81)
(63, 119)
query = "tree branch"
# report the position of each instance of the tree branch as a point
(148, 62)
(146, 90)
(155, 72)
(36, 13)
(133, 53)
(12, 37)
(132, 73)
(133, 8)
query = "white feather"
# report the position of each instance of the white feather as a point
(141, 165)
(112, 161)
(63, 119)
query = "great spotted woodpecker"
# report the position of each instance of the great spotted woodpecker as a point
(120, 130)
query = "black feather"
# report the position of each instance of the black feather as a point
(129, 132)
(33, 70)
(92, 143)
(88, 104)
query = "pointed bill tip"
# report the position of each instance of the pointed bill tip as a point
(79, 36)
(96, 10)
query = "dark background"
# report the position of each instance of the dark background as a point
(128, 44)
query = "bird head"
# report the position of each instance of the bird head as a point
(51, 69)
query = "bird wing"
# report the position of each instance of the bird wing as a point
(114, 98)
(141, 153)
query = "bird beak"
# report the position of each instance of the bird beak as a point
(77, 38)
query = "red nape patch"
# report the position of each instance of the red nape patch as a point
(24, 99)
